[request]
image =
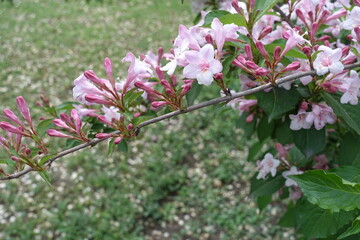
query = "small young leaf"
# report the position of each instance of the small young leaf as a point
(43, 126)
(44, 176)
(44, 159)
(123, 146)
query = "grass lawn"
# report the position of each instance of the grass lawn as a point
(185, 178)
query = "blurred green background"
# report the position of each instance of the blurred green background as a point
(184, 178)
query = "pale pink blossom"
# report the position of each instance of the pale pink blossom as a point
(293, 171)
(352, 19)
(82, 111)
(176, 59)
(320, 115)
(111, 113)
(293, 39)
(185, 35)
(328, 60)
(321, 162)
(268, 165)
(202, 65)
(298, 121)
(350, 87)
(82, 87)
(223, 32)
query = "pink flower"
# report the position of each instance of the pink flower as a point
(293, 39)
(223, 32)
(293, 171)
(351, 87)
(298, 121)
(24, 110)
(352, 20)
(321, 162)
(82, 111)
(320, 115)
(186, 36)
(82, 87)
(328, 60)
(267, 165)
(202, 65)
(111, 113)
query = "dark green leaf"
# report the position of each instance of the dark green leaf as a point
(278, 101)
(254, 151)
(264, 129)
(264, 6)
(43, 126)
(354, 229)
(349, 151)
(315, 222)
(129, 99)
(193, 93)
(214, 14)
(283, 132)
(66, 106)
(349, 173)
(263, 201)
(236, 19)
(260, 187)
(72, 143)
(296, 157)
(349, 113)
(249, 128)
(123, 146)
(309, 141)
(288, 219)
(44, 176)
(329, 191)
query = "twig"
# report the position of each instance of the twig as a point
(283, 15)
(178, 112)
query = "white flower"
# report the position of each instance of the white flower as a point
(267, 165)
(293, 171)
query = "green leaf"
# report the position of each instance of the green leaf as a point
(66, 106)
(72, 143)
(263, 201)
(123, 146)
(349, 173)
(264, 6)
(264, 129)
(297, 157)
(43, 126)
(254, 151)
(309, 141)
(329, 191)
(227, 64)
(288, 219)
(354, 229)
(193, 93)
(44, 176)
(349, 151)
(283, 133)
(236, 19)
(260, 187)
(214, 14)
(44, 159)
(278, 101)
(349, 113)
(315, 222)
(8, 162)
(133, 96)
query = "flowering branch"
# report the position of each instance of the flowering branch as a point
(194, 107)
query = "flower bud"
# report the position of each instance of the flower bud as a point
(15, 159)
(118, 140)
(249, 118)
(261, 71)
(60, 123)
(237, 8)
(24, 109)
(186, 88)
(262, 49)
(55, 133)
(337, 14)
(77, 120)
(159, 73)
(357, 33)
(251, 65)
(345, 50)
(306, 50)
(218, 76)
(11, 116)
(90, 75)
(12, 129)
(277, 51)
(130, 126)
(103, 119)
(92, 98)
(265, 32)
(324, 38)
(356, 2)
(291, 67)
(157, 104)
(248, 52)
(137, 115)
(160, 55)
(300, 15)
(209, 39)
(108, 70)
(103, 135)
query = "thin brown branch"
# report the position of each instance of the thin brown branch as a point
(283, 15)
(178, 112)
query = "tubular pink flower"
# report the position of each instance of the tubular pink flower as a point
(67, 120)
(108, 70)
(186, 88)
(77, 120)
(157, 104)
(262, 49)
(338, 14)
(291, 67)
(103, 119)
(218, 28)
(61, 123)
(293, 39)
(90, 75)
(24, 110)
(12, 129)
(55, 133)
(328, 60)
(103, 135)
(91, 98)
(12, 117)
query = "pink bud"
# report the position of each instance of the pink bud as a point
(356, 2)
(66, 119)
(92, 98)
(18, 139)
(345, 50)
(285, 35)
(300, 15)
(277, 51)
(108, 69)
(357, 33)
(130, 126)
(280, 148)
(166, 84)
(55, 133)
(237, 8)
(28, 151)
(311, 15)
(11, 116)
(157, 104)
(304, 105)
(24, 109)
(144, 87)
(12, 129)
(291, 67)
(4, 143)
(188, 81)
(251, 65)
(314, 29)
(173, 80)
(137, 114)
(78, 123)
(248, 52)
(103, 119)
(160, 55)
(249, 118)
(265, 32)
(186, 88)
(337, 14)
(261, 71)
(159, 73)
(218, 76)
(118, 140)
(103, 135)
(262, 49)
(89, 74)
(60, 123)
(323, 16)
(209, 39)
(15, 159)
(323, 38)
(306, 50)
